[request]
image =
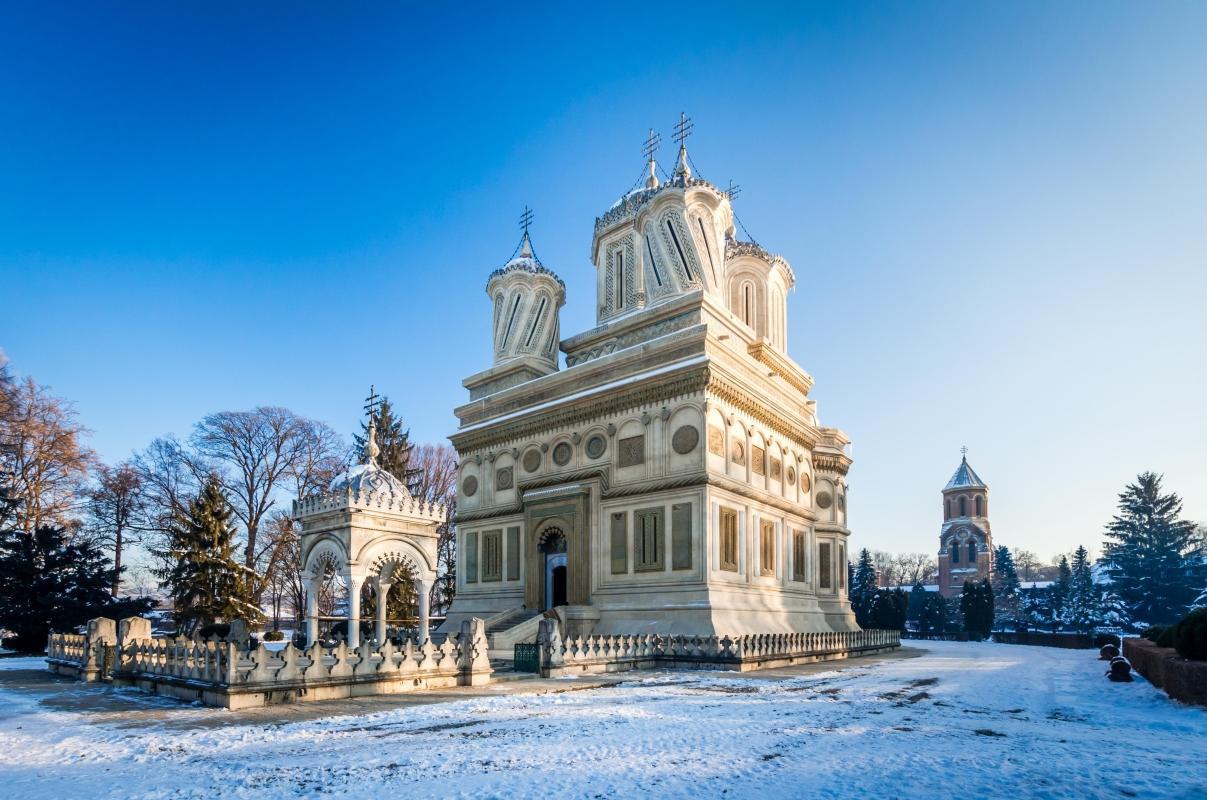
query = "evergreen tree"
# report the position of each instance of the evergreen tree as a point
(888, 608)
(976, 604)
(1153, 558)
(207, 584)
(1058, 594)
(917, 602)
(1082, 604)
(1007, 601)
(934, 614)
(395, 445)
(863, 589)
(47, 583)
(1035, 609)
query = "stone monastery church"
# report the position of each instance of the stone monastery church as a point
(673, 477)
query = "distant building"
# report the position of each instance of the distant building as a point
(965, 540)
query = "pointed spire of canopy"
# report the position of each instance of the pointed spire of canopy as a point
(370, 451)
(525, 246)
(651, 147)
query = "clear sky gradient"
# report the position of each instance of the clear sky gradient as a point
(997, 214)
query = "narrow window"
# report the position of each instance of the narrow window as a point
(748, 304)
(649, 544)
(515, 307)
(708, 249)
(955, 551)
(471, 558)
(947, 510)
(963, 507)
(977, 503)
(687, 270)
(842, 566)
(972, 552)
(653, 261)
(767, 548)
(729, 540)
(825, 570)
(619, 279)
(798, 556)
(536, 322)
(620, 543)
(513, 554)
(681, 536)
(492, 556)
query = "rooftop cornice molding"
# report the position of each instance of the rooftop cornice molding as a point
(634, 201)
(351, 500)
(737, 249)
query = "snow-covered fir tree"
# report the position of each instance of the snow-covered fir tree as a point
(1006, 600)
(1081, 609)
(1154, 559)
(205, 581)
(863, 588)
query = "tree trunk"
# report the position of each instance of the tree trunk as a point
(117, 561)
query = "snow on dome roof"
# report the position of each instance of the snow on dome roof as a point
(525, 261)
(367, 477)
(965, 477)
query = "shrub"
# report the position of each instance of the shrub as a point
(1106, 638)
(215, 629)
(1190, 635)
(1153, 632)
(1165, 639)
(274, 636)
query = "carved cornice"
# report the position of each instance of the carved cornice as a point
(607, 491)
(727, 390)
(781, 365)
(831, 462)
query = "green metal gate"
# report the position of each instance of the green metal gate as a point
(527, 657)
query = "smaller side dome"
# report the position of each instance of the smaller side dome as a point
(368, 478)
(526, 297)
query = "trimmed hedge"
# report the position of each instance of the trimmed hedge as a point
(1190, 635)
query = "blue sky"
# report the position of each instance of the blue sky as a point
(995, 212)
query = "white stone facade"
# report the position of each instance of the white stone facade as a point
(673, 478)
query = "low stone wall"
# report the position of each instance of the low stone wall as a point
(1164, 668)
(1069, 641)
(595, 654)
(224, 674)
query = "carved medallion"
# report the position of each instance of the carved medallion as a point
(805, 483)
(791, 474)
(756, 460)
(504, 478)
(630, 451)
(469, 487)
(777, 469)
(596, 446)
(532, 460)
(562, 453)
(685, 439)
(737, 453)
(716, 441)
(824, 500)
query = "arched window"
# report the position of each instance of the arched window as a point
(963, 506)
(947, 509)
(971, 552)
(748, 304)
(977, 502)
(955, 551)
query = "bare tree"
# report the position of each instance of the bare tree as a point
(915, 568)
(255, 450)
(886, 568)
(436, 482)
(43, 456)
(115, 509)
(1026, 563)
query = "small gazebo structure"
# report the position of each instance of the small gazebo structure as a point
(367, 527)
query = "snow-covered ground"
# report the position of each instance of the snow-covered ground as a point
(963, 720)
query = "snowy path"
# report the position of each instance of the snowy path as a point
(963, 720)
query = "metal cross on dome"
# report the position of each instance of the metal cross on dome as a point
(372, 402)
(964, 450)
(733, 190)
(683, 128)
(651, 145)
(526, 219)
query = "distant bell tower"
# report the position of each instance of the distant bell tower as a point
(965, 540)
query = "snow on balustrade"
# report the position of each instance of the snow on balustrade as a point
(560, 653)
(349, 498)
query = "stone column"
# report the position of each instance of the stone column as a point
(422, 588)
(312, 611)
(355, 582)
(383, 593)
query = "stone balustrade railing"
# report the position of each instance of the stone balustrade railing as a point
(564, 655)
(339, 500)
(219, 669)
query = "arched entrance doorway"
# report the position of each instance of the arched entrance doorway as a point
(553, 546)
